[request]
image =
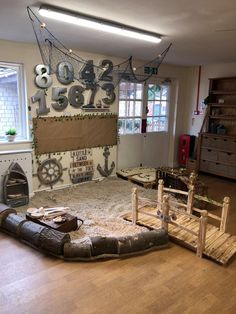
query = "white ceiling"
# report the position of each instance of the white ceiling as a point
(202, 31)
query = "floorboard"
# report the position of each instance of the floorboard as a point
(171, 280)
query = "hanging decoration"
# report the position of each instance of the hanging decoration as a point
(50, 171)
(69, 66)
(106, 172)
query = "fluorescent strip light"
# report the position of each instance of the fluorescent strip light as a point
(98, 24)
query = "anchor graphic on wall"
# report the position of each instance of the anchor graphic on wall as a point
(106, 172)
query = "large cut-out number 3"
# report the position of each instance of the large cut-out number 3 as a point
(43, 78)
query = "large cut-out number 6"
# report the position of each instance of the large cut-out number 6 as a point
(75, 96)
(43, 78)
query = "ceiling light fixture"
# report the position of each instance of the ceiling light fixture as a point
(98, 24)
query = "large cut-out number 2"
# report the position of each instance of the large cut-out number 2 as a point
(43, 78)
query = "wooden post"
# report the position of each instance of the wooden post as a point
(202, 233)
(224, 215)
(165, 208)
(160, 191)
(134, 201)
(190, 199)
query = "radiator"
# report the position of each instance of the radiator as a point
(23, 158)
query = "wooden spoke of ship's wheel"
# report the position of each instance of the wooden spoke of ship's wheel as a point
(50, 171)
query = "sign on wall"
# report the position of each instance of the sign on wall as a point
(59, 134)
(81, 168)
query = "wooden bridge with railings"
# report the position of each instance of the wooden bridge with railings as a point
(183, 225)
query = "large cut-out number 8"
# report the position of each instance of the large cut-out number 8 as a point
(43, 79)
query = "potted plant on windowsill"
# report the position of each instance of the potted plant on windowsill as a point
(11, 134)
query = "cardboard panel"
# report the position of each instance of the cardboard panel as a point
(59, 134)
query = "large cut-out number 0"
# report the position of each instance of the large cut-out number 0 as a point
(43, 78)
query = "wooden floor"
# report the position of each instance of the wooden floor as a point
(171, 280)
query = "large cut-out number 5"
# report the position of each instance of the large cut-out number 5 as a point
(43, 79)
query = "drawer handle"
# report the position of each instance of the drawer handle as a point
(229, 154)
(209, 150)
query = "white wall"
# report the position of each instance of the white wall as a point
(208, 71)
(28, 54)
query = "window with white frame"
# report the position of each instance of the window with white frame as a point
(130, 107)
(157, 107)
(131, 103)
(13, 109)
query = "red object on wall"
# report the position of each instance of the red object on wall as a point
(184, 149)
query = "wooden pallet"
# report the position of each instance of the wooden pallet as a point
(148, 184)
(219, 246)
(145, 177)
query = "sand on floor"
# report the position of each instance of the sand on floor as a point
(99, 204)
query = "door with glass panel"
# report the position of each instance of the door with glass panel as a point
(156, 138)
(143, 124)
(130, 147)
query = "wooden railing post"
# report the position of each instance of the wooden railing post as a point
(224, 215)
(165, 208)
(160, 191)
(134, 200)
(190, 199)
(202, 233)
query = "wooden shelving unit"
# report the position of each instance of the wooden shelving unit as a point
(217, 144)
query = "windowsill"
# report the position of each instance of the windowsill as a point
(2, 142)
(17, 146)
(16, 151)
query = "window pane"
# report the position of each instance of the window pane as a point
(163, 109)
(154, 92)
(122, 109)
(12, 101)
(156, 109)
(149, 124)
(150, 109)
(9, 108)
(156, 124)
(164, 92)
(137, 125)
(129, 126)
(131, 91)
(130, 108)
(138, 109)
(163, 124)
(123, 94)
(139, 91)
(121, 126)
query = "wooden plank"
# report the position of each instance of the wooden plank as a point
(210, 231)
(213, 238)
(224, 247)
(229, 252)
(216, 244)
(214, 216)
(191, 239)
(207, 200)
(175, 191)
